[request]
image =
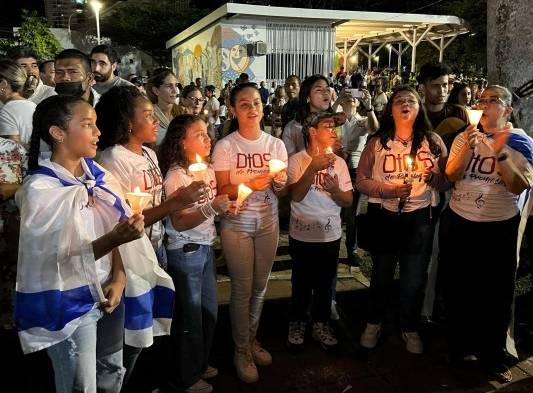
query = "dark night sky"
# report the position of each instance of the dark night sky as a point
(11, 11)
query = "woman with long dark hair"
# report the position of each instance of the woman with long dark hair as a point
(249, 239)
(460, 95)
(400, 168)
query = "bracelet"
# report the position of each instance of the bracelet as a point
(371, 109)
(208, 211)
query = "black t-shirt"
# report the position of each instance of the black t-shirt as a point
(288, 112)
(448, 122)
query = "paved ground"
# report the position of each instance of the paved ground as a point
(351, 369)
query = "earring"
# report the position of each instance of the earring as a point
(129, 131)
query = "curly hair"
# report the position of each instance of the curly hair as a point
(115, 111)
(170, 152)
(422, 128)
(53, 111)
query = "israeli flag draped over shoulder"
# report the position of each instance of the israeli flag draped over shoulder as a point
(57, 282)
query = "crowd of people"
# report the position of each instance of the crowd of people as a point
(98, 273)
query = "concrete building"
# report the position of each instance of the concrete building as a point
(269, 43)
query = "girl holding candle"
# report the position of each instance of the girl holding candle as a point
(319, 185)
(191, 233)
(77, 255)
(490, 169)
(127, 122)
(399, 168)
(249, 239)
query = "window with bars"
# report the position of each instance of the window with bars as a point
(299, 49)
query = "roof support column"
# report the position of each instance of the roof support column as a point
(369, 56)
(442, 45)
(400, 52)
(413, 52)
(345, 54)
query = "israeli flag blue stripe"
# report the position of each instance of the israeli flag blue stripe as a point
(52, 309)
(523, 145)
(142, 310)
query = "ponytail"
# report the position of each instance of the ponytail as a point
(53, 111)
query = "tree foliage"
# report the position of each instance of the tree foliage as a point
(148, 28)
(35, 34)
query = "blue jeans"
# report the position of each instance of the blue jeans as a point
(90, 360)
(405, 239)
(195, 314)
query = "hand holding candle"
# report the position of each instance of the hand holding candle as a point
(474, 116)
(276, 166)
(138, 200)
(244, 192)
(198, 171)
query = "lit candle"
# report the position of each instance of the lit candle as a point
(328, 150)
(276, 166)
(244, 192)
(198, 169)
(474, 115)
(409, 179)
(138, 200)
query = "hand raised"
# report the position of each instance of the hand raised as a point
(128, 230)
(185, 197)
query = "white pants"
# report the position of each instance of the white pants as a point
(249, 252)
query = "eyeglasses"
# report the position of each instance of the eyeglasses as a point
(195, 100)
(490, 101)
(408, 101)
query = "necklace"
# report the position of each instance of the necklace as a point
(404, 142)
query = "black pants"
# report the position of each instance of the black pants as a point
(405, 239)
(313, 267)
(478, 267)
(348, 214)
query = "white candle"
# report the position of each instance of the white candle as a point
(138, 200)
(474, 115)
(276, 166)
(328, 150)
(198, 169)
(244, 192)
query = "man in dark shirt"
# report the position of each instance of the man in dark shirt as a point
(447, 120)
(263, 91)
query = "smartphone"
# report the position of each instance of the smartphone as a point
(356, 93)
(190, 247)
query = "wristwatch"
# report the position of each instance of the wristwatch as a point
(371, 109)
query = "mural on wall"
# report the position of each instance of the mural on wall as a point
(236, 40)
(200, 57)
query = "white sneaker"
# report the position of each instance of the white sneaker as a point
(413, 343)
(323, 333)
(210, 372)
(260, 355)
(246, 370)
(334, 315)
(369, 338)
(199, 387)
(296, 335)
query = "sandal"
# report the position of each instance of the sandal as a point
(503, 376)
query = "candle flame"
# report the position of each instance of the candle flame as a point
(137, 190)
(409, 161)
(198, 158)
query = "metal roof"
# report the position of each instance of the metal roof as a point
(351, 26)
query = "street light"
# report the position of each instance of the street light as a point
(96, 6)
(70, 17)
